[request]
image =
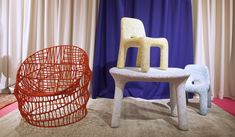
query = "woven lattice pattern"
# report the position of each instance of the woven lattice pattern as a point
(52, 86)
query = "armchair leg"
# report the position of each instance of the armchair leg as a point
(203, 103)
(138, 60)
(164, 56)
(186, 94)
(121, 56)
(145, 58)
(209, 99)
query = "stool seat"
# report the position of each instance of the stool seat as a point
(156, 73)
(175, 76)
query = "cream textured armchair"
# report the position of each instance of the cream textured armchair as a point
(133, 35)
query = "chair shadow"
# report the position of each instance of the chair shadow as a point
(161, 105)
(24, 129)
(194, 105)
(105, 116)
(132, 111)
(139, 112)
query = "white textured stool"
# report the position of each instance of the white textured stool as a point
(175, 76)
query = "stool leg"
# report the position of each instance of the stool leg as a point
(181, 105)
(117, 107)
(173, 100)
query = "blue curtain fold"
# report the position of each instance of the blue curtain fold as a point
(171, 19)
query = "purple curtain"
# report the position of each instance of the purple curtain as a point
(171, 19)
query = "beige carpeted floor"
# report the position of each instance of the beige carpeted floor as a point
(139, 119)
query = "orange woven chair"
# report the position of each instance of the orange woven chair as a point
(52, 86)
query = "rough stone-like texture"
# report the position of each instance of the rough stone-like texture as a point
(133, 35)
(177, 78)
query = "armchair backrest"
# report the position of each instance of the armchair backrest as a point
(131, 28)
(198, 73)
